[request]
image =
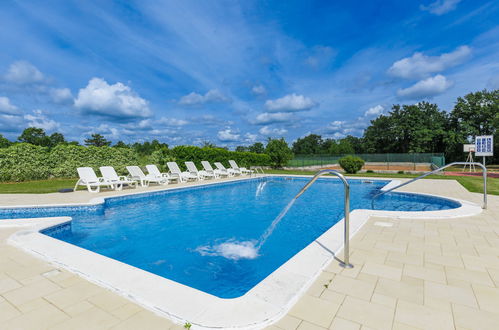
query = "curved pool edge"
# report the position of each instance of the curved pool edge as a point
(263, 305)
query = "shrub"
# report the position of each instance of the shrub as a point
(279, 152)
(351, 164)
(23, 162)
(400, 172)
(369, 171)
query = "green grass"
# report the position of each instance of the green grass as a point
(36, 187)
(473, 184)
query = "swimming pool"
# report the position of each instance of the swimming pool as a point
(195, 236)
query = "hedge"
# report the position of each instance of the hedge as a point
(197, 154)
(23, 161)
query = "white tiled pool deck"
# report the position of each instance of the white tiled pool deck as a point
(408, 274)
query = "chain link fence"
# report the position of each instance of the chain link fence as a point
(436, 159)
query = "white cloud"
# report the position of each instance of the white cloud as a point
(374, 111)
(6, 107)
(320, 56)
(38, 119)
(290, 103)
(426, 88)
(420, 65)
(250, 138)
(270, 118)
(23, 72)
(259, 90)
(11, 123)
(440, 7)
(172, 121)
(106, 130)
(211, 96)
(61, 95)
(117, 101)
(267, 131)
(228, 135)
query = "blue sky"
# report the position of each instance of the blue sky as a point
(235, 72)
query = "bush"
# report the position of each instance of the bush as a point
(369, 171)
(400, 172)
(351, 164)
(279, 152)
(23, 162)
(197, 154)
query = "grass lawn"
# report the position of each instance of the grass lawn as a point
(473, 184)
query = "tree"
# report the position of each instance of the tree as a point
(4, 142)
(257, 147)
(35, 136)
(279, 152)
(308, 145)
(421, 127)
(474, 114)
(207, 144)
(56, 138)
(241, 149)
(97, 140)
(121, 144)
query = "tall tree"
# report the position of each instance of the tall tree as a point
(4, 142)
(241, 149)
(97, 140)
(257, 147)
(310, 144)
(279, 152)
(474, 114)
(36, 136)
(56, 138)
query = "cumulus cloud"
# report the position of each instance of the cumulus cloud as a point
(420, 65)
(172, 121)
(340, 128)
(250, 138)
(374, 111)
(61, 95)
(270, 118)
(426, 88)
(6, 107)
(212, 96)
(23, 72)
(440, 7)
(116, 101)
(11, 123)
(259, 90)
(290, 103)
(228, 135)
(267, 131)
(38, 119)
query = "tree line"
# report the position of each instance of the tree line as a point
(419, 128)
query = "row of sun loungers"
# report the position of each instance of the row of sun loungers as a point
(112, 180)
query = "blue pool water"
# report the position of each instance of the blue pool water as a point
(177, 234)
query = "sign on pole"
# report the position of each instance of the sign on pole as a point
(484, 145)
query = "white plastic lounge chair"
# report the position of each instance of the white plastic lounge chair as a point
(242, 170)
(176, 172)
(217, 173)
(154, 171)
(137, 174)
(191, 167)
(89, 179)
(116, 181)
(222, 168)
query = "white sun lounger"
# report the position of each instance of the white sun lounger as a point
(89, 179)
(137, 174)
(191, 167)
(222, 168)
(154, 171)
(176, 172)
(242, 170)
(117, 182)
(217, 173)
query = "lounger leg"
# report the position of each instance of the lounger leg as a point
(97, 189)
(76, 185)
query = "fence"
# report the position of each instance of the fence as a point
(437, 159)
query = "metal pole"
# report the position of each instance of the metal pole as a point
(346, 233)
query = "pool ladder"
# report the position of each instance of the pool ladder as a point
(346, 233)
(484, 205)
(256, 170)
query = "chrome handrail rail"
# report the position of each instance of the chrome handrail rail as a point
(484, 206)
(255, 169)
(346, 262)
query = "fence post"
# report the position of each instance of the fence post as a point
(388, 161)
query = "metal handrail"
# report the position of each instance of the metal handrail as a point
(484, 206)
(346, 262)
(256, 170)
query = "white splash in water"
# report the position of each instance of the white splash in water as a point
(231, 250)
(274, 223)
